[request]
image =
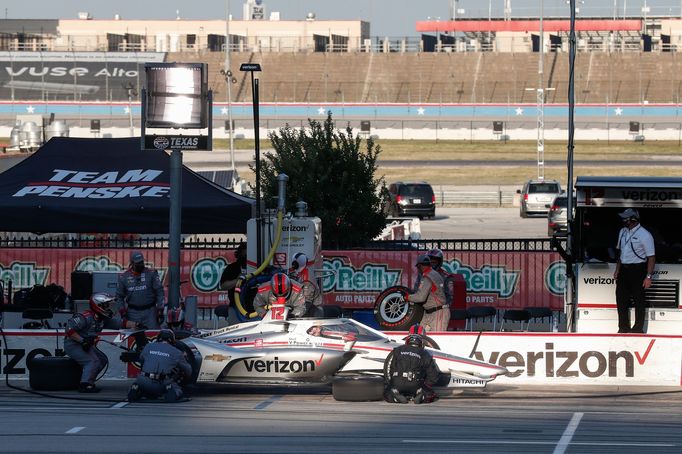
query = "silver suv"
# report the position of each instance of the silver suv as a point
(537, 196)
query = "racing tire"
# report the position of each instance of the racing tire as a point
(392, 312)
(429, 342)
(359, 388)
(54, 373)
(191, 359)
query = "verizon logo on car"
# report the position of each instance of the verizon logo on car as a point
(78, 184)
(281, 366)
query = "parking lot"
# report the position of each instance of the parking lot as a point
(482, 223)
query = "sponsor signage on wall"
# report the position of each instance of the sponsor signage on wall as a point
(353, 278)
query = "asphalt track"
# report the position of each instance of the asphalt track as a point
(275, 420)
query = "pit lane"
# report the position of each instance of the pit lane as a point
(222, 419)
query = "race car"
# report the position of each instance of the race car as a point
(278, 350)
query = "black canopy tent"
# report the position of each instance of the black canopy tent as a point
(78, 185)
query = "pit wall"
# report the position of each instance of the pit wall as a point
(556, 359)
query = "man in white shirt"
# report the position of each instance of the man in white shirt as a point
(634, 268)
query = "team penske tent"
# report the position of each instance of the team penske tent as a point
(110, 185)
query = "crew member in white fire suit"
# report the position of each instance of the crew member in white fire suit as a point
(81, 338)
(140, 292)
(430, 293)
(280, 289)
(300, 272)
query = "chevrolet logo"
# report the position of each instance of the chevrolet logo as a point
(216, 357)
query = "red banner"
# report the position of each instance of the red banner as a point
(351, 279)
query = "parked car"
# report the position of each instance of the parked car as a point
(410, 199)
(537, 196)
(557, 218)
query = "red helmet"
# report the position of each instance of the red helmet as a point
(100, 303)
(436, 255)
(418, 330)
(280, 284)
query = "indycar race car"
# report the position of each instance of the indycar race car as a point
(281, 351)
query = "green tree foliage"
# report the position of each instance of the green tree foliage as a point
(331, 171)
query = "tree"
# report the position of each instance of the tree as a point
(330, 170)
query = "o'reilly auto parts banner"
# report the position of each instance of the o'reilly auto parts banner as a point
(72, 76)
(504, 280)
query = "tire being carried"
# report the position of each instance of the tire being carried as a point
(358, 388)
(392, 312)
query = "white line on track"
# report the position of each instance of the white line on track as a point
(74, 430)
(530, 442)
(119, 405)
(568, 433)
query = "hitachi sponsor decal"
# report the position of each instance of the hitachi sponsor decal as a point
(281, 366)
(98, 185)
(569, 363)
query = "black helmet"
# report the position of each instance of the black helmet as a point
(416, 335)
(436, 255)
(415, 340)
(166, 335)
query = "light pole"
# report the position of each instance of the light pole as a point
(227, 72)
(131, 92)
(255, 67)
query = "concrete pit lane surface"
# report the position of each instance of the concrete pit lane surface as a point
(267, 420)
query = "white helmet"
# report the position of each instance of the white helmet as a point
(300, 261)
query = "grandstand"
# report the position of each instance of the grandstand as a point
(448, 77)
(467, 61)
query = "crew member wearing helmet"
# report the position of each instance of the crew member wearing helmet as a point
(140, 292)
(164, 367)
(311, 291)
(436, 257)
(81, 338)
(431, 294)
(410, 371)
(280, 289)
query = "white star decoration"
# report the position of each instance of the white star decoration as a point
(223, 111)
(126, 109)
(420, 111)
(30, 109)
(618, 111)
(321, 111)
(519, 111)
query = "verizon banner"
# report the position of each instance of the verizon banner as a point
(574, 359)
(352, 279)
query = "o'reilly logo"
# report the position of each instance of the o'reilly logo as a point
(569, 363)
(277, 365)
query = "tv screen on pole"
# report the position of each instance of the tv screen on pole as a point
(176, 95)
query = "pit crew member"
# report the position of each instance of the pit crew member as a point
(410, 371)
(280, 289)
(81, 338)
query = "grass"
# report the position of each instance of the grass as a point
(496, 151)
(512, 174)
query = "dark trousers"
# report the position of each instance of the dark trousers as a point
(629, 288)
